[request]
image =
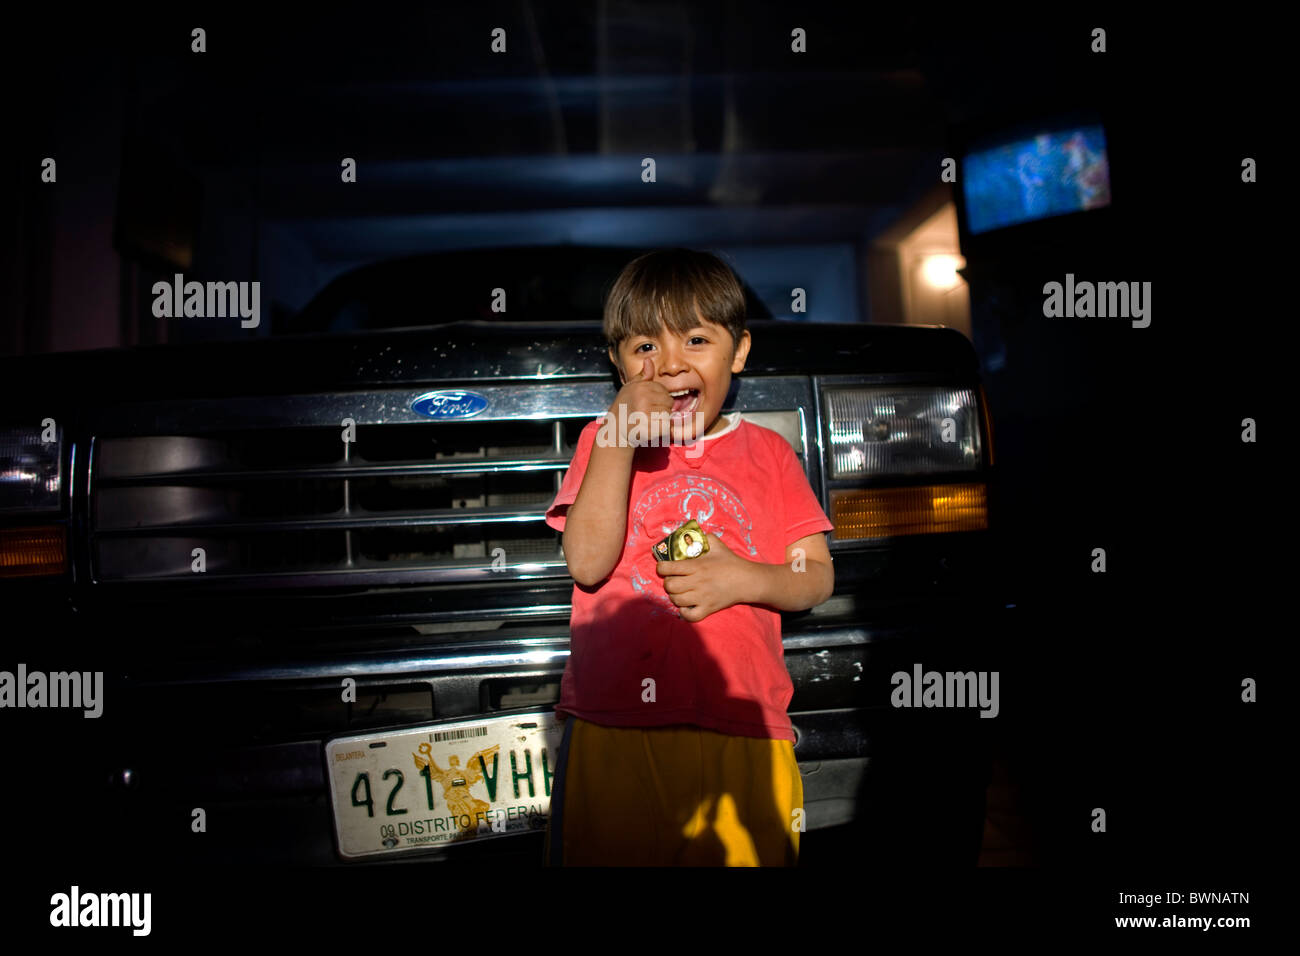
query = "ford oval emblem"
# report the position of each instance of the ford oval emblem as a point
(449, 403)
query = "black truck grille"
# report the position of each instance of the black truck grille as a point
(273, 496)
(445, 497)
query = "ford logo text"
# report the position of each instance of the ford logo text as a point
(449, 403)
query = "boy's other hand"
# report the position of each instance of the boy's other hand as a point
(715, 580)
(643, 394)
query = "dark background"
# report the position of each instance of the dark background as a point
(1128, 690)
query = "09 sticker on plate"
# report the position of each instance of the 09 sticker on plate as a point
(442, 784)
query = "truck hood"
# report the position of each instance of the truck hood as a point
(460, 352)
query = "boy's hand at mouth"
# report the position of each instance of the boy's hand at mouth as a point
(715, 580)
(643, 394)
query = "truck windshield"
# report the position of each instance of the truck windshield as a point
(553, 284)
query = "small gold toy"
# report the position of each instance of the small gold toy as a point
(688, 541)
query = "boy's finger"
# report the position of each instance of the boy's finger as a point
(647, 372)
(673, 567)
(678, 585)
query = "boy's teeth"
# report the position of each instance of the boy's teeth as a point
(688, 405)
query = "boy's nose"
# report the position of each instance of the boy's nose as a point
(671, 361)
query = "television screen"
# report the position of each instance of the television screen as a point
(1045, 175)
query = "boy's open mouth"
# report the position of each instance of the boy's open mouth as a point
(685, 401)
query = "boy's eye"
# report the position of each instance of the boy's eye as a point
(638, 348)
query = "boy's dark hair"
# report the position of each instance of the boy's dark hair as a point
(665, 287)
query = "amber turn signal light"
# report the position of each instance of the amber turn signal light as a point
(25, 552)
(926, 509)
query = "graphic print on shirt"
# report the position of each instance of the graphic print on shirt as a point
(667, 504)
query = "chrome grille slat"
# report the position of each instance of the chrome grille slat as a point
(377, 573)
(356, 518)
(356, 468)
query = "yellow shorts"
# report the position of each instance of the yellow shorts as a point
(672, 796)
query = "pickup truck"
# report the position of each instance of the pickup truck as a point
(284, 551)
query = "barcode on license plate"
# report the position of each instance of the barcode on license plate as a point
(460, 734)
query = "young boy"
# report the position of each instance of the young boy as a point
(677, 748)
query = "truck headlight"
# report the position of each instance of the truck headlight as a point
(31, 482)
(901, 431)
(31, 470)
(888, 432)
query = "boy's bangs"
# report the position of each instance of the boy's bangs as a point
(647, 315)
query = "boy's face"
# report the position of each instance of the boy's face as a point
(702, 360)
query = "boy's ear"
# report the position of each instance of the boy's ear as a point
(614, 358)
(742, 353)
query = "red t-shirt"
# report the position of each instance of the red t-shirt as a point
(727, 672)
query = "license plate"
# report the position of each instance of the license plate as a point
(442, 784)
